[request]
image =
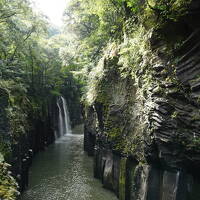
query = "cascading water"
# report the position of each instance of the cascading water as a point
(64, 126)
(67, 123)
(70, 176)
(60, 121)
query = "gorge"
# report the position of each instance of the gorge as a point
(63, 171)
(120, 82)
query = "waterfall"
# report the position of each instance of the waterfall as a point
(67, 123)
(64, 126)
(60, 120)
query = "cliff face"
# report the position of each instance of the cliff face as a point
(142, 122)
(39, 135)
(22, 134)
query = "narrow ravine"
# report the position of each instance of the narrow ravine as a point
(64, 172)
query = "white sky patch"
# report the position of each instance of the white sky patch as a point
(53, 9)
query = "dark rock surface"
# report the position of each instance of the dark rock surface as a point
(146, 137)
(19, 150)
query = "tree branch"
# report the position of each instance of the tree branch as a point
(16, 48)
(6, 15)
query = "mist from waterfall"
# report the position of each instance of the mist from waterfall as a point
(64, 125)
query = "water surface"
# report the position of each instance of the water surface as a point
(65, 172)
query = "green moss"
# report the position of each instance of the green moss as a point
(103, 96)
(196, 117)
(114, 131)
(114, 134)
(193, 144)
(188, 144)
(5, 148)
(172, 9)
(174, 115)
(122, 179)
(156, 14)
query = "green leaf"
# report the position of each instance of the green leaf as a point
(1, 158)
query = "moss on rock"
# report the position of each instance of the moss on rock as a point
(122, 179)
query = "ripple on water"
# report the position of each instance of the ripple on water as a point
(65, 172)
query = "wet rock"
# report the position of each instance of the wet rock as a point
(155, 126)
(108, 172)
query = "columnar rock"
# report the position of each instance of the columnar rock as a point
(146, 119)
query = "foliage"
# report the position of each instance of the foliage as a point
(95, 77)
(128, 39)
(31, 69)
(8, 185)
(91, 26)
(31, 75)
(135, 51)
(38, 62)
(169, 9)
(134, 5)
(5, 148)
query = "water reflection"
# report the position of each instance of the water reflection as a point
(64, 172)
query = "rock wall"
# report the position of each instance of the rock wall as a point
(36, 139)
(21, 138)
(143, 129)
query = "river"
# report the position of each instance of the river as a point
(65, 172)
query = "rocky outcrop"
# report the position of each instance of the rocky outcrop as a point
(144, 127)
(36, 139)
(22, 134)
(90, 131)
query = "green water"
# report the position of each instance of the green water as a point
(65, 172)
